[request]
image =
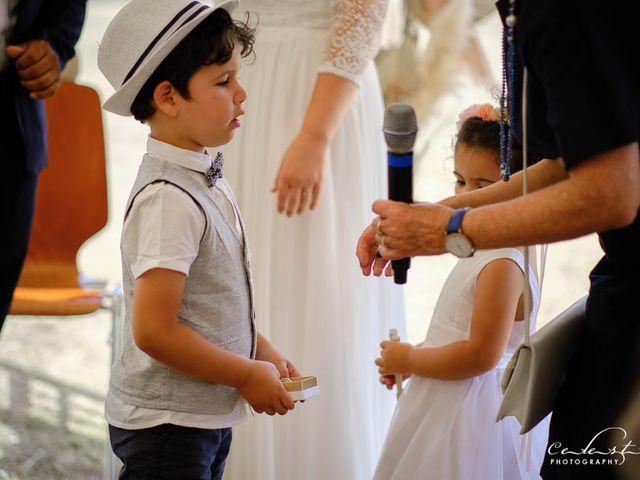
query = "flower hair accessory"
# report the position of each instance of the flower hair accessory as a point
(484, 111)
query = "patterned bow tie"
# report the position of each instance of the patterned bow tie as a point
(215, 170)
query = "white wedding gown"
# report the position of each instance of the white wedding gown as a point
(312, 300)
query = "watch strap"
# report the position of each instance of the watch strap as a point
(455, 222)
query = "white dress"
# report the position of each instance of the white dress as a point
(312, 301)
(444, 429)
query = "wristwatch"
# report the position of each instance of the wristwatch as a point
(456, 242)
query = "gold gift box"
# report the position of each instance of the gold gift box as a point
(301, 388)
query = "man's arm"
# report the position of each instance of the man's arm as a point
(63, 25)
(39, 61)
(601, 193)
(541, 175)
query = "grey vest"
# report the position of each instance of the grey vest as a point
(217, 303)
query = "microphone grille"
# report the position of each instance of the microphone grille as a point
(400, 127)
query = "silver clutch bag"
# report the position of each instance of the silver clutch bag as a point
(538, 368)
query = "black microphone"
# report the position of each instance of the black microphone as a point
(400, 129)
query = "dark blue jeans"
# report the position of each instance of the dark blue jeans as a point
(171, 452)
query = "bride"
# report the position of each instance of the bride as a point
(306, 166)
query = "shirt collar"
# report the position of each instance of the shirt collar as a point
(200, 162)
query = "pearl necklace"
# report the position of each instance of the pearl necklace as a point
(507, 91)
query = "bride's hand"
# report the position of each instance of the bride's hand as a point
(300, 176)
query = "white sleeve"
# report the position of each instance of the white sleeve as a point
(354, 38)
(163, 230)
(516, 255)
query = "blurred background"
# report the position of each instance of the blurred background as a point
(54, 371)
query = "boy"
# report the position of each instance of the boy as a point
(190, 348)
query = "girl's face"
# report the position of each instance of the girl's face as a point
(475, 167)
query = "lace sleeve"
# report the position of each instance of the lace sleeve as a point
(354, 37)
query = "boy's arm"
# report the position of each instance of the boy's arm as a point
(157, 331)
(491, 325)
(267, 352)
(63, 24)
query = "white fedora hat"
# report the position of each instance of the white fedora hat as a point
(140, 37)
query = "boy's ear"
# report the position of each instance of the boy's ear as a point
(164, 97)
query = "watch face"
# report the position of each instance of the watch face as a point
(458, 245)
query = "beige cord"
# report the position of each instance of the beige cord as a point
(393, 336)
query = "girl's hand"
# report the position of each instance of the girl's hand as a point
(389, 381)
(300, 176)
(394, 358)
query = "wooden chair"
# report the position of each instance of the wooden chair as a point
(71, 207)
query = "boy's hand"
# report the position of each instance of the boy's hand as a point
(264, 391)
(394, 358)
(38, 67)
(269, 353)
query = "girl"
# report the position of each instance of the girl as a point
(444, 425)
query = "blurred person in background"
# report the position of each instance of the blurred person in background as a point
(37, 38)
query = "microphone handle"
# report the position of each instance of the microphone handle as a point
(400, 184)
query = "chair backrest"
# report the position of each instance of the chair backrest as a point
(71, 201)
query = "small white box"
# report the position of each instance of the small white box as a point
(301, 388)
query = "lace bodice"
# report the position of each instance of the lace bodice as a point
(354, 28)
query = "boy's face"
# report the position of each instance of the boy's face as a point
(210, 116)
